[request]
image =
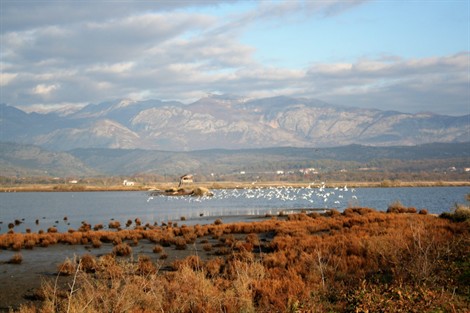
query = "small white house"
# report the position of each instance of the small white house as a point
(128, 183)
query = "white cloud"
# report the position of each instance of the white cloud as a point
(6, 78)
(68, 53)
(115, 68)
(45, 90)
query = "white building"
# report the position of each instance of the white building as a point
(128, 183)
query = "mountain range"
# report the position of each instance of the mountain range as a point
(226, 122)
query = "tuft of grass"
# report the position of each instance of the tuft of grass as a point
(122, 249)
(157, 249)
(17, 258)
(67, 268)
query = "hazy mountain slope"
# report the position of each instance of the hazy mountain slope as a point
(229, 123)
(119, 161)
(28, 160)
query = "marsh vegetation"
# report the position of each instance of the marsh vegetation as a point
(356, 261)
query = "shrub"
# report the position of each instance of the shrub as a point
(157, 249)
(88, 263)
(461, 213)
(17, 258)
(114, 224)
(68, 267)
(122, 249)
(96, 242)
(180, 243)
(145, 265)
(395, 207)
(207, 247)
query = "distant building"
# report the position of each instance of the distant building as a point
(280, 172)
(73, 181)
(309, 170)
(128, 183)
(185, 179)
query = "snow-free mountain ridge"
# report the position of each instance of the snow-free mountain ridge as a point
(226, 122)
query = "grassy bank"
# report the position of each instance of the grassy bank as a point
(224, 185)
(357, 261)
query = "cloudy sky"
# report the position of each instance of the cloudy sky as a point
(410, 56)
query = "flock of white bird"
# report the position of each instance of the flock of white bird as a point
(312, 195)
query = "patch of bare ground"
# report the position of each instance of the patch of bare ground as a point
(356, 261)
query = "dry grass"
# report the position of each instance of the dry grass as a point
(355, 261)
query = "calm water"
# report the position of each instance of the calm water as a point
(50, 208)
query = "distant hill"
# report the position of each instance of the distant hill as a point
(121, 161)
(28, 160)
(228, 123)
(20, 160)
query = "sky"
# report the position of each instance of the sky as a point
(408, 56)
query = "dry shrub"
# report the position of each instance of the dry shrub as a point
(68, 267)
(96, 242)
(384, 298)
(207, 247)
(29, 244)
(122, 249)
(398, 207)
(332, 213)
(253, 239)
(114, 224)
(223, 251)
(180, 243)
(360, 211)
(214, 266)
(145, 265)
(191, 291)
(17, 258)
(297, 217)
(88, 263)
(192, 261)
(157, 249)
(52, 230)
(109, 268)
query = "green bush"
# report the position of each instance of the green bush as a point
(461, 213)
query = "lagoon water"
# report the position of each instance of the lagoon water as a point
(66, 210)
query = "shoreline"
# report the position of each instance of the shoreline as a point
(226, 185)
